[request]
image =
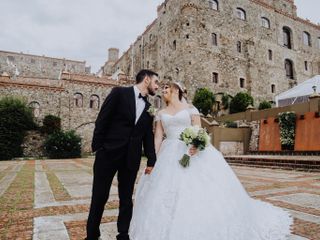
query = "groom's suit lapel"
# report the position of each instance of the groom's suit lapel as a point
(144, 112)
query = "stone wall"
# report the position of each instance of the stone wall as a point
(59, 98)
(178, 45)
(33, 145)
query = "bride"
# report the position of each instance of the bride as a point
(204, 201)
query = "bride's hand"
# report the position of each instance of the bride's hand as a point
(148, 170)
(193, 150)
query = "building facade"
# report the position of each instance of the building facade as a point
(29, 65)
(75, 98)
(259, 46)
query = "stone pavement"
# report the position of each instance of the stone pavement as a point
(49, 199)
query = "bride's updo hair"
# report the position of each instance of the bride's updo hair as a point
(177, 86)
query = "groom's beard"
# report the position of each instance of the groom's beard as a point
(151, 92)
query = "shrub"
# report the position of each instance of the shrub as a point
(240, 102)
(287, 124)
(230, 124)
(264, 105)
(51, 124)
(225, 101)
(204, 100)
(15, 119)
(63, 145)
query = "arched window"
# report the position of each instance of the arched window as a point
(241, 14)
(78, 100)
(265, 22)
(94, 102)
(214, 39)
(287, 37)
(288, 65)
(306, 39)
(174, 45)
(214, 4)
(273, 88)
(35, 106)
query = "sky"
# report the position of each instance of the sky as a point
(84, 30)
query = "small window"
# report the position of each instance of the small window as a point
(289, 68)
(148, 64)
(78, 100)
(94, 102)
(214, 4)
(273, 88)
(270, 55)
(33, 61)
(242, 82)
(174, 45)
(214, 39)
(187, 36)
(10, 58)
(306, 39)
(241, 14)
(265, 22)
(306, 65)
(319, 42)
(215, 77)
(188, 24)
(239, 47)
(54, 64)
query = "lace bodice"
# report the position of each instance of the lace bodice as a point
(173, 125)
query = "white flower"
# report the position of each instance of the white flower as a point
(152, 110)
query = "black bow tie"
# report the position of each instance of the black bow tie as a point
(145, 98)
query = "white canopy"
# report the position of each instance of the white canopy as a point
(299, 93)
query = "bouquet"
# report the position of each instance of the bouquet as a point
(196, 136)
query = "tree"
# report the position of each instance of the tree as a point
(15, 119)
(203, 100)
(240, 102)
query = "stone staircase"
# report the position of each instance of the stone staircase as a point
(293, 162)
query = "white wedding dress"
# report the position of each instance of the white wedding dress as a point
(205, 201)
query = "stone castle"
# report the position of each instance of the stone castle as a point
(259, 46)
(59, 87)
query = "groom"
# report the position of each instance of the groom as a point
(122, 127)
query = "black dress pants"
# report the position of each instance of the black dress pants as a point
(106, 165)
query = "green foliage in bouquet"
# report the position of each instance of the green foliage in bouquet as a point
(287, 123)
(204, 100)
(240, 102)
(15, 119)
(193, 136)
(265, 105)
(63, 145)
(51, 124)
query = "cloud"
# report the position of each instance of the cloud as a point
(82, 29)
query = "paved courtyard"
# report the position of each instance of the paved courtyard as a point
(49, 199)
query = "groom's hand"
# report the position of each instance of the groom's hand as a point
(148, 170)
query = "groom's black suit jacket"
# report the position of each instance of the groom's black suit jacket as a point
(115, 129)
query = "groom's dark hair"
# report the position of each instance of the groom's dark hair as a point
(145, 73)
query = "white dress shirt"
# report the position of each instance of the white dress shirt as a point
(140, 103)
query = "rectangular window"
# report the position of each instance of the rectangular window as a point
(270, 55)
(306, 65)
(215, 77)
(242, 82)
(214, 39)
(273, 88)
(10, 58)
(239, 47)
